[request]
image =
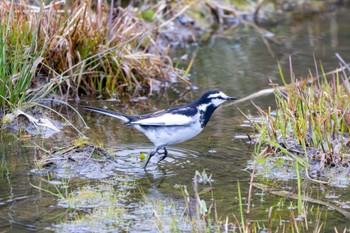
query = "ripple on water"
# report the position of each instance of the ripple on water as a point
(85, 163)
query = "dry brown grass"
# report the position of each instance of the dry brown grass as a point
(83, 52)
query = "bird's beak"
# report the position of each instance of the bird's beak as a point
(231, 98)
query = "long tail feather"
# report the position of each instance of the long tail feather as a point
(117, 115)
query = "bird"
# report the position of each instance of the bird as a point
(174, 125)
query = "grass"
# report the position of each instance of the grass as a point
(20, 56)
(76, 52)
(305, 138)
(310, 125)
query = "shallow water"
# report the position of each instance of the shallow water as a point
(234, 60)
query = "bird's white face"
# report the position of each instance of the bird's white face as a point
(218, 98)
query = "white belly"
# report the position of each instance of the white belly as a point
(168, 135)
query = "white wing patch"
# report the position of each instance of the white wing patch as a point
(165, 120)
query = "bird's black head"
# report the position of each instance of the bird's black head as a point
(215, 98)
(209, 102)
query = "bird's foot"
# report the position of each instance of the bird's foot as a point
(149, 158)
(161, 158)
(165, 153)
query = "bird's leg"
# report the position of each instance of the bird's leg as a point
(150, 156)
(165, 153)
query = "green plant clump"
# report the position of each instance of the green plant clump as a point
(311, 123)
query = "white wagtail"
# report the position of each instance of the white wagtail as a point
(173, 125)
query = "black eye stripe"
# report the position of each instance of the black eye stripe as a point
(218, 97)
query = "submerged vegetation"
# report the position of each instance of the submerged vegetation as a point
(105, 205)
